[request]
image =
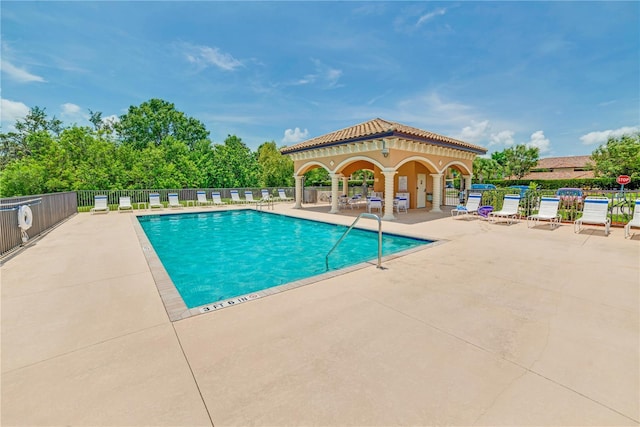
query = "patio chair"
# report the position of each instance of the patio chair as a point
(343, 201)
(282, 196)
(174, 202)
(548, 212)
(235, 197)
(374, 203)
(635, 221)
(401, 204)
(125, 204)
(154, 201)
(248, 196)
(355, 201)
(202, 199)
(509, 209)
(217, 200)
(471, 208)
(594, 211)
(100, 205)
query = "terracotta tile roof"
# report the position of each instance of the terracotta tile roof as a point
(563, 162)
(378, 128)
(559, 175)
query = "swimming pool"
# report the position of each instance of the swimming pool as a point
(213, 256)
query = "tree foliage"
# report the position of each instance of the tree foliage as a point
(275, 169)
(154, 120)
(619, 156)
(520, 159)
(152, 146)
(484, 168)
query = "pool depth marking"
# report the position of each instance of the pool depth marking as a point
(233, 301)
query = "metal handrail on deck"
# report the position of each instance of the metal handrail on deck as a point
(365, 215)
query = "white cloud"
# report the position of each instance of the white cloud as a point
(291, 136)
(110, 120)
(205, 56)
(475, 132)
(10, 111)
(323, 75)
(540, 141)
(332, 76)
(504, 138)
(481, 132)
(73, 113)
(70, 109)
(424, 18)
(19, 74)
(601, 137)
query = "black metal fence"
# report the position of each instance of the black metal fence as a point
(47, 211)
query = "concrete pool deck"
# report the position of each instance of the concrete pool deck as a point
(499, 325)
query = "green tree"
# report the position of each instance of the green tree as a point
(275, 169)
(153, 121)
(520, 159)
(619, 156)
(484, 168)
(28, 133)
(234, 165)
(316, 176)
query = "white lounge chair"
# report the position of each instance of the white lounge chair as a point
(266, 197)
(471, 208)
(283, 196)
(100, 205)
(235, 197)
(548, 212)
(595, 211)
(217, 200)
(174, 202)
(202, 199)
(635, 221)
(509, 209)
(125, 204)
(248, 195)
(374, 203)
(154, 201)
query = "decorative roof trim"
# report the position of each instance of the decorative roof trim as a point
(404, 132)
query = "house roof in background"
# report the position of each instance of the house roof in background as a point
(563, 162)
(566, 174)
(380, 128)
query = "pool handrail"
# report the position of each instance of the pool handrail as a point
(365, 215)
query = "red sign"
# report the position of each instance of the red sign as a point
(623, 179)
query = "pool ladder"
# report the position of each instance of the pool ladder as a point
(362, 215)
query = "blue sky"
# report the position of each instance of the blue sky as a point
(562, 76)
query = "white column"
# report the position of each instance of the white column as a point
(437, 192)
(345, 185)
(389, 195)
(299, 189)
(334, 192)
(467, 182)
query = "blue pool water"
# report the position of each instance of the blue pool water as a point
(212, 256)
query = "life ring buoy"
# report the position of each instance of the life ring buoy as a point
(25, 217)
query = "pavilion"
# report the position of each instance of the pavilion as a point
(405, 161)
